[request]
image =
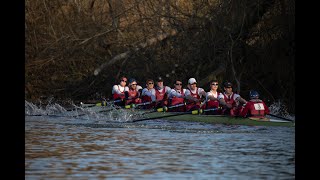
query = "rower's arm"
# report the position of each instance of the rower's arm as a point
(176, 94)
(148, 93)
(115, 90)
(241, 100)
(189, 97)
(168, 90)
(202, 92)
(211, 97)
(245, 110)
(222, 102)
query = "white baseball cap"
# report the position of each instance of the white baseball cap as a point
(192, 81)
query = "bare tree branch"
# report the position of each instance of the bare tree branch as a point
(126, 54)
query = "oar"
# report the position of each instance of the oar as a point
(170, 115)
(136, 105)
(105, 103)
(198, 111)
(141, 104)
(281, 117)
(201, 111)
(164, 109)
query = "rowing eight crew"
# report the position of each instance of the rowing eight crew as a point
(191, 98)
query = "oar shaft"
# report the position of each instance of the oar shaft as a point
(136, 105)
(165, 108)
(105, 103)
(178, 114)
(178, 105)
(160, 117)
(281, 117)
(212, 109)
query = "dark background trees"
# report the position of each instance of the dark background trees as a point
(249, 42)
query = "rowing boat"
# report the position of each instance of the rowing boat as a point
(226, 120)
(196, 117)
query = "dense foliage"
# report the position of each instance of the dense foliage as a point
(248, 42)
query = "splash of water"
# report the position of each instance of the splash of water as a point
(107, 113)
(49, 109)
(32, 109)
(279, 108)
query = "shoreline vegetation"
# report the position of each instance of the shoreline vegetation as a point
(78, 50)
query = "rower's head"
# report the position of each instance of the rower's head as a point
(254, 94)
(192, 83)
(214, 85)
(178, 85)
(132, 83)
(149, 84)
(160, 82)
(123, 81)
(227, 86)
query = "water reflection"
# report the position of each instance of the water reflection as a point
(157, 150)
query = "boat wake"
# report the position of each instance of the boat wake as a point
(110, 113)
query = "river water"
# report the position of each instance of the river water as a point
(96, 146)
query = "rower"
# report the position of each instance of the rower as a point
(148, 94)
(231, 102)
(132, 95)
(177, 97)
(194, 95)
(255, 107)
(161, 93)
(212, 100)
(118, 91)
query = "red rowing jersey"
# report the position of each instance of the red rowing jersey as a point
(255, 108)
(212, 104)
(160, 95)
(191, 104)
(230, 99)
(119, 96)
(177, 100)
(134, 94)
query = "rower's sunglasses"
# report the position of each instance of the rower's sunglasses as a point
(215, 84)
(150, 83)
(123, 80)
(133, 84)
(179, 84)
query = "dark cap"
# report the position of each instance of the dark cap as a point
(159, 79)
(227, 84)
(253, 94)
(131, 80)
(123, 78)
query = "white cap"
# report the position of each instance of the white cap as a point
(192, 81)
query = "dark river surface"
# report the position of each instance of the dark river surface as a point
(70, 148)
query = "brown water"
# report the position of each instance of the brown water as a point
(61, 148)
